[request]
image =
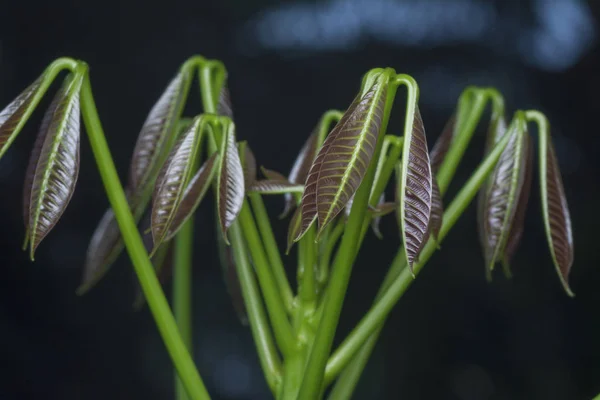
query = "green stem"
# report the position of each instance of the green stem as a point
(137, 253)
(277, 313)
(268, 238)
(267, 353)
(312, 384)
(308, 288)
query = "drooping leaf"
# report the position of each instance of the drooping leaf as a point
(442, 144)
(248, 163)
(342, 161)
(506, 183)
(294, 229)
(300, 169)
(158, 132)
(274, 175)
(437, 210)
(415, 191)
(224, 107)
(230, 184)
(557, 219)
(12, 116)
(383, 208)
(172, 182)
(57, 166)
(268, 186)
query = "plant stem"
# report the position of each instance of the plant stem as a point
(308, 289)
(267, 353)
(312, 384)
(137, 253)
(277, 313)
(266, 233)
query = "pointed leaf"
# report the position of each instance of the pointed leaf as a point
(557, 219)
(268, 186)
(248, 163)
(300, 169)
(172, 181)
(57, 167)
(231, 190)
(224, 106)
(442, 144)
(415, 191)
(294, 228)
(158, 132)
(12, 116)
(343, 159)
(502, 196)
(274, 175)
(437, 210)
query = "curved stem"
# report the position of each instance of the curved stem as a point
(143, 267)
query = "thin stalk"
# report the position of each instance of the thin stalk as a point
(312, 384)
(157, 302)
(325, 260)
(277, 313)
(308, 289)
(273, 254)
(259, 324)
(375, 317)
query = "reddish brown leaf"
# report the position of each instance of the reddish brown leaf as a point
(442, 144)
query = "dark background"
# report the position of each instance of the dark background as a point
(453, 336)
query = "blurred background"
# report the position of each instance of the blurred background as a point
(452, 336)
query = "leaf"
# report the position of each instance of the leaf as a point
(12, 117)
(157, 132)
(248, 163)
(442, 145)
(415, 191)
(502, 196)
(294, 229)
(172, 182)
(383, 208)
(437, 210)
(230, 184)
(268, 186)
(557, 219)
(342, 161)
(224, 106)
(300, 169)
(274, 175)
(57, 167)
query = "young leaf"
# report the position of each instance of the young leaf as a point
(224, 106)
(383, 208)
(11, 117)
(557, 219)
(172, 181)
(274, 175)
(442, 144)
(269, 186)
(248, 163)
(502, 197)
(158, 127)
(294, 229)
(415, 191)
(230, 184)
(57, 166)
(437, 210)
(300, 169)
(342, 161)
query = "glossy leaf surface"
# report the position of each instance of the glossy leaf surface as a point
(231, 189)
(11, 117)
(57, 167)
(342, 161)
(557, 219)
(173, 180)
(415, 191)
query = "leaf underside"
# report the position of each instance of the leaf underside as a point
(415, 191)
(224, 106)
(11, 116)
(557, 218)
(160, 124)
(342, 161)
(300, 169)
(172, 182)
(57, 167)
(268, 186)
(231, 189)
(248, 163)
(442, 145)
(437, 210)
(501, 199)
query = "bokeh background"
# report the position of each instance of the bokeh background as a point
(452, 336)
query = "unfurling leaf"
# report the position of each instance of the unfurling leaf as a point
(57, 166)
(294, 229)
(224, 106)
(172, 181)
(230, 185)
(415, 191)
(437, 210)
(442, 144)
(502, 195)
(557, 219)
(300, 169)
(12, 117)
(274, 175)
(342, 161)
(248, 163)
(158, 132)
(268, 186)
